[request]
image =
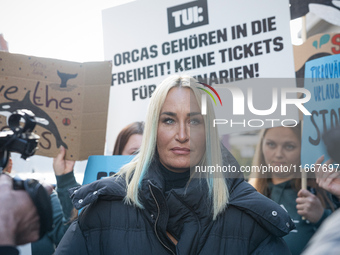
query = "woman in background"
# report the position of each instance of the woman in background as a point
(280, 148)
(129, 139)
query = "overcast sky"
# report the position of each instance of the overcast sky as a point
(64, 29)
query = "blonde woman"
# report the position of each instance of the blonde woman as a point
(157, 205)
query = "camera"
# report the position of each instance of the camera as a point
(21, 139)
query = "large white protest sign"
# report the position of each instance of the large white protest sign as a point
(220, 40)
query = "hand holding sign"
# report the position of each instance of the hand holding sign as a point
(60, 165)
(309, 206)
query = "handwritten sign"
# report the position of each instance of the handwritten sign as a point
(323, 81)
(317, 46)
(69, 100)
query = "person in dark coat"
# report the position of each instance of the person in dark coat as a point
(280, 148)
(165, 201)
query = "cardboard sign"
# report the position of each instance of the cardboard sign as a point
(323, 81)
(69, 100)
(222, 41)
(103, 166)
(317, 46)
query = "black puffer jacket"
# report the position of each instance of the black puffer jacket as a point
(251, 224)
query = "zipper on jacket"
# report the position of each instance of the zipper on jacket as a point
(155, 226)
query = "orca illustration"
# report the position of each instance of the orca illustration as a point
(42, 118)
(65, 77)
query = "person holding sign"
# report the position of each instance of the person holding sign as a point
(277, 157)
(160, 204)
(62, 206)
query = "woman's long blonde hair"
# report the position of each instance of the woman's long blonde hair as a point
(135, 171)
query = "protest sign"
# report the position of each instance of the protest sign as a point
(103, 166)
(222, 41)
(317, 46)
(69, 100)
(323, 81)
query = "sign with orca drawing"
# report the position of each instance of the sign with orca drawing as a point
(69, 100)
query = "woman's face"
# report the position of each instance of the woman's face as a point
(281, 147)
(132, 145)
(181, 131)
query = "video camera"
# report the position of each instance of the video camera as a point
(21, 139)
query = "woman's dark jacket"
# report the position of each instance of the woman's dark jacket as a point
(251, 223)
